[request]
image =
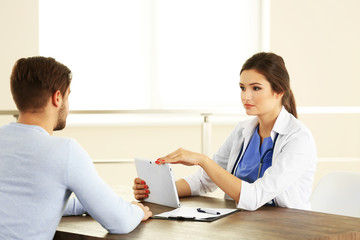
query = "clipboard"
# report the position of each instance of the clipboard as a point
(192, 214)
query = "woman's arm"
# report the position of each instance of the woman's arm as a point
(183, 188)
(230, 184)
(141, 190)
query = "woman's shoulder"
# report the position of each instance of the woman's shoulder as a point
(296, 125)
(287, 123)
(297, 131)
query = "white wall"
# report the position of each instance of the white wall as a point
(319, 41)
(19, 38)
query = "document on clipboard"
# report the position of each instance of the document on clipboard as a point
(196, 214)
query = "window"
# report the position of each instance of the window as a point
(156, 54)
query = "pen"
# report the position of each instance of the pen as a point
(209, 211)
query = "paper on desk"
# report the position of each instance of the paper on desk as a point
(191, 212)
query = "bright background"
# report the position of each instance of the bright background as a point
(187, 54)
(151, 54)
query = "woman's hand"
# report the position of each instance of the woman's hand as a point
(182, 156)
(141, 190)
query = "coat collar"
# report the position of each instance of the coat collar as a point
(281, 125)
(283, 121)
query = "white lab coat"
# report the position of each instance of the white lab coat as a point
(290, 178)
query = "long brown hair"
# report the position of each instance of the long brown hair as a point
(33, 80)
(273, 68)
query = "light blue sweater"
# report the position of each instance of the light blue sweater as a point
(38, 172)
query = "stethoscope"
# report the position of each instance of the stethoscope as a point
(261, 159)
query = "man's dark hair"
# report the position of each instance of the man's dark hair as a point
(33, 80)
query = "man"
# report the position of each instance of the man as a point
(38, 172)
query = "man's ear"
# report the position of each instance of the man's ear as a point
(56, 98)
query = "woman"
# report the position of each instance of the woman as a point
(270, 159)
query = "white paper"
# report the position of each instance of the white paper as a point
(191, 212)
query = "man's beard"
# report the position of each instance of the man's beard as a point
(61, 122)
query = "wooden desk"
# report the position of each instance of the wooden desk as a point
(265, 223)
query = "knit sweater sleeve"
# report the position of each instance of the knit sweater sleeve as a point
(96, 197)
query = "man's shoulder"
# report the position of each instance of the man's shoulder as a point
(66, 141)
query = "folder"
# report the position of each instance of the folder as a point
(195, 214)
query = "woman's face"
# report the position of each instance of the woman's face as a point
(257, 95)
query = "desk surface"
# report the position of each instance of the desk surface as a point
(265, 223)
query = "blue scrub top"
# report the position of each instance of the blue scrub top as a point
(249, 164)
